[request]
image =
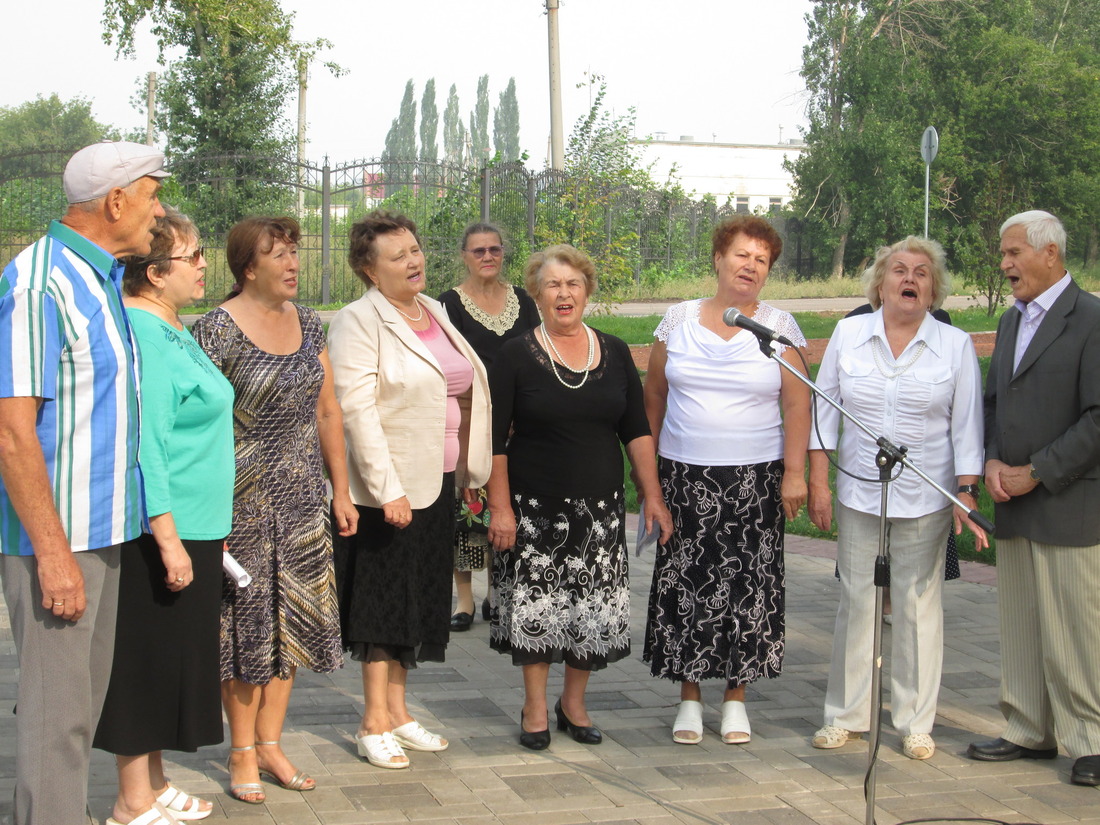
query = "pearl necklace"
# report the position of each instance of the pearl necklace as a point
(893, 372)
(553, 366)
(415, 320)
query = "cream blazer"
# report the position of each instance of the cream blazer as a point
(393, 396)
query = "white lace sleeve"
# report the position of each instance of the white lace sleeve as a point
(675, 316)
(782, 322)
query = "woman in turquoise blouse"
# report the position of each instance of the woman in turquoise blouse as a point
(165, 688)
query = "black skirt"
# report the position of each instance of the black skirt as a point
(165, 690)
(716, 607)
(394, 586)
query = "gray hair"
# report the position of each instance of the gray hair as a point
(876, 272)
(1042, 228)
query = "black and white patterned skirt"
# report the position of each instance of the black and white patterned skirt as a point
(562, 593)
(716, 608)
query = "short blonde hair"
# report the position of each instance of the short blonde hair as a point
(563, 253)
(876, 272)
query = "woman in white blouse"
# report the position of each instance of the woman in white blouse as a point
(731, 467)
(917, 382)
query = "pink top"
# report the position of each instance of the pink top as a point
(460, 377)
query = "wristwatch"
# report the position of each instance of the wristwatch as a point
(1031, 472)
(972, 489)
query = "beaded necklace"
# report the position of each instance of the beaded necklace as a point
(415, 320)
(553, 366)
(895, 371)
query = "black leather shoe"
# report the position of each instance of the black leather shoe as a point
(485, 609)
(1001, 750)
(1086, 771)
(461, 621)
(586, 735)
(538, 740)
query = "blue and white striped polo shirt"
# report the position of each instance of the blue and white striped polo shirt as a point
(65, 338)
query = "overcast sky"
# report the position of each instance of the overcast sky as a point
(724, 70)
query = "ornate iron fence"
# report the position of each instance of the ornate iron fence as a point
(634, 235)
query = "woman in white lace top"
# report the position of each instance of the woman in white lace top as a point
(488, 311)
(731, 428)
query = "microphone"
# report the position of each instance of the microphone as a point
(734, 318)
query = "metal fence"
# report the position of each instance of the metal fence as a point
(633, 235)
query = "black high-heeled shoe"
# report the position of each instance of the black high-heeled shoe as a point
(538, 740)
(585, 734)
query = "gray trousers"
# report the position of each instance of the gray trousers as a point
(64, 668)
(1050, 647)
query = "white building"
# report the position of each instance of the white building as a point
(750, 176)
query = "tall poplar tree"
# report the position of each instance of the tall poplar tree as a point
(479, 123)
(429, 123)
(454, 130)
(506, 124)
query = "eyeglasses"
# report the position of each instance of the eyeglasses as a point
(193, 258)
(495, 251)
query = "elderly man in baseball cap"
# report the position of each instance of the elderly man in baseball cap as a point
(70, 489)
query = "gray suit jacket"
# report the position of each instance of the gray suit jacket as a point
(1048, 413)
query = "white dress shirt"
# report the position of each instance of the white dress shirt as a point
(933, 407)
(1032, 314)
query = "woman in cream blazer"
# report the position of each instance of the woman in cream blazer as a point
(415, 401)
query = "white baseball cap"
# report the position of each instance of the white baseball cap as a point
(97, 169)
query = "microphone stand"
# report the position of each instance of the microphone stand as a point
(888, 457)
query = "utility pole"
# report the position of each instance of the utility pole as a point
(557, 143)
(303, 82)
(150, 105)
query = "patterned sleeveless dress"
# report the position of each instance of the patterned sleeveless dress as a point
(288, 617)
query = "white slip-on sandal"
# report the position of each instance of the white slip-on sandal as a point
(380, 749)
(415, 737)
(735, 723)
(687, 729)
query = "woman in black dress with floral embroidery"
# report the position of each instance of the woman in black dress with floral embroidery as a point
(564, 398)
(488, 311)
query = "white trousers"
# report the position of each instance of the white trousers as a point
(917, 548)
(1049, 598)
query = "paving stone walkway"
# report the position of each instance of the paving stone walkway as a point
(638, 775)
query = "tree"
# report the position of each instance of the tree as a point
(479, 123)
(400, 152)
(454, 130)
(429, 123)
(506, 124)
(1018, 117)
(224, 98)
(37, 137)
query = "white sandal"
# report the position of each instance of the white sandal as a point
(182, 805)
(380, 749)
(687, 729)
(413, 736)
(831, 736)
(735, 723)
(918, 745)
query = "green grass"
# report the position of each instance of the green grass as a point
(638, 330)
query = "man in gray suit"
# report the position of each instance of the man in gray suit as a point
(1042, 433)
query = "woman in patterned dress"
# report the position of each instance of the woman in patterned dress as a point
(288, 431)
(564, 398)
(731, 468)
(488, 311)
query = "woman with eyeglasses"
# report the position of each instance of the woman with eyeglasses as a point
(488, 311)
(163, 692)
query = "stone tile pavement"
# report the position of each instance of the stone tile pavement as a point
(638, 775)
